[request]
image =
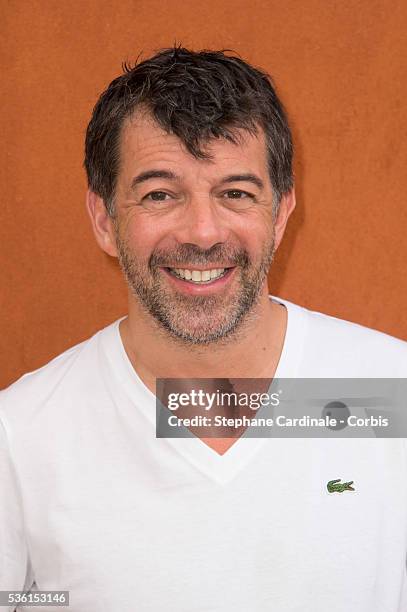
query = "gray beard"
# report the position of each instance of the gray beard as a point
(195, 320)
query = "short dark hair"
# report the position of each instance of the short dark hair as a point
(196, 95)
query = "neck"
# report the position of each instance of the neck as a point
(252, 352)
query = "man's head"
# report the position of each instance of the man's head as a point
(197, 96)
(189, 158)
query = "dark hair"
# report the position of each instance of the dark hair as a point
(196, 95)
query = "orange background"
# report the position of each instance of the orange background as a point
(340, 69)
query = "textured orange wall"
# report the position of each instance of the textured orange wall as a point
(340, 68)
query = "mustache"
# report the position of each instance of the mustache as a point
(190, 254)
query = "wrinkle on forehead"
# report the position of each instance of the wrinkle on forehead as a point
(140, 130)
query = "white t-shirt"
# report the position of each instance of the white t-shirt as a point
(93, 503)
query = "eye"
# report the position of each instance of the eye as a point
(237, 194)
(157, 196)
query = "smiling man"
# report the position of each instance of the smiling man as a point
(194, 240)
(188, 158)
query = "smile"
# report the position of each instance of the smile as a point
(198, 277)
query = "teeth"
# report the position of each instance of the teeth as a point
(198, 276)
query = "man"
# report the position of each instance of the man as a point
(188, 157)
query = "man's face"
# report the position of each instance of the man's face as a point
(195, 238)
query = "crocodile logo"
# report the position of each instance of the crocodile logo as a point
(338, 486)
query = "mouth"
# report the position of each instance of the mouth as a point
(199, 277)
(193, 281)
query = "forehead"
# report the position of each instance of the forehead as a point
(144, 142)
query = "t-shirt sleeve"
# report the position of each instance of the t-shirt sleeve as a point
(15, 568)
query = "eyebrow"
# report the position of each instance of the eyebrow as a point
(248, 177)
(167, 174)
(152, 174)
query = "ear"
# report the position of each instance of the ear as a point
(286, 207)
(102, 223)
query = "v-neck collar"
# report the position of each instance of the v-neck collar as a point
(220, 468)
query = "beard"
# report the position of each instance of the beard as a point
(196, 319)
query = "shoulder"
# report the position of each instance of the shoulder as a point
(356, 349)
(66, 373)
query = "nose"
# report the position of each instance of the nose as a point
(202, 223)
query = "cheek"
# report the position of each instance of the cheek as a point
(145, 235)
(255, 232)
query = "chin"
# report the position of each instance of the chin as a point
(204, 332)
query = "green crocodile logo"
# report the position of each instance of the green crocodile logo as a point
(338, 486)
